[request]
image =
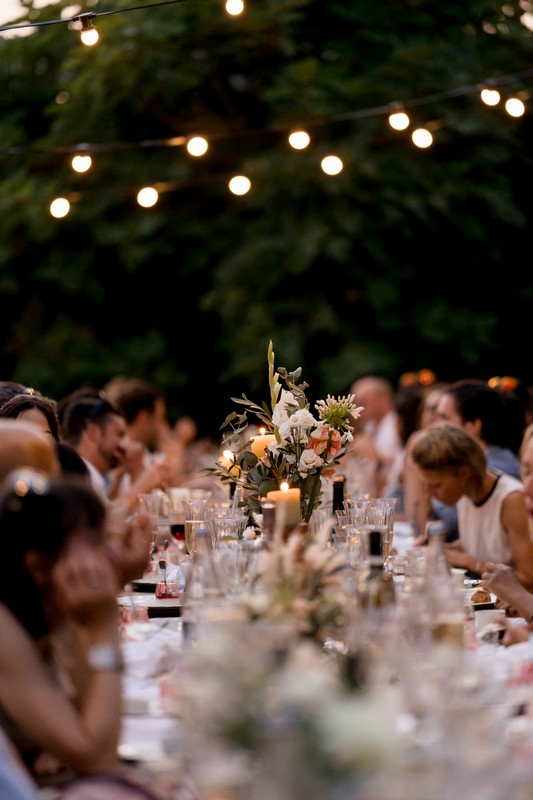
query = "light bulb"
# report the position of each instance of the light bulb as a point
(147, 197)
(89, 36)
(240, 185)
(59, 207)
(491, 97)
(234, 7)
(197, 146)
(515, 107)
(81, 163)
(331, 165)
(299, 140)
(399, 121)
(422, 138)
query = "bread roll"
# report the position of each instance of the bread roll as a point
(481, 596)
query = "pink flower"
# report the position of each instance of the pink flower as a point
(325, 439)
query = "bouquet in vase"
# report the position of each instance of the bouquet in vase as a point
(299, 447)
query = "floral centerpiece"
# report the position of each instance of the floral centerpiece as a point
(304, 447)
(300, 582)
(263, 719)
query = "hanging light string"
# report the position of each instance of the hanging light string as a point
(298, 137)
(90, 15)
(374, 111)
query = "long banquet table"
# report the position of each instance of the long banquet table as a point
(462, 729)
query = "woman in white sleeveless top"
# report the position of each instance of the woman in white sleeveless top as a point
(492, 516)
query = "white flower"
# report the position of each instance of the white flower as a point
(309, 460)
(303, 419)
(283, 408)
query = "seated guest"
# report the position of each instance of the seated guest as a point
(35, 408)
(491, 506)
(9, 389)
(23, 444)
(376, 437)
(96, 428)
(15, 781)
(491, 418)
(71, 461)
(501, 579)
(60, 661)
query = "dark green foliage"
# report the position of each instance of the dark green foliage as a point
(407, 259)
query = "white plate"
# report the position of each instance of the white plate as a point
(487, 604)
(148, 601)
(401, 528)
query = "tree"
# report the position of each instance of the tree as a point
(408, 258)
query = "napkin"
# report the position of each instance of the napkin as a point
(153, 655)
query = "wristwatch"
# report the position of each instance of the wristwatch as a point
(105, 657)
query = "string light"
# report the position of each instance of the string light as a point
(147, 197)
(299, 140)
(331, 165)
(240, 185)
(515, 107)
(89, 34)
(86, 19)
(197, 146)
(491, 97)
(234, 7)
(81, 163)
(59, 207)
(399, 120)
(422, 138)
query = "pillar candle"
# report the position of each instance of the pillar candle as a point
(287, 505)
(227, 460)
(258, 444)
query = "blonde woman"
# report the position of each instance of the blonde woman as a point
(491, 505)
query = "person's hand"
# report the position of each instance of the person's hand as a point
(456, 555)
(130, 544)
(46, 764)
(86, 586)
(502, 581)
(132, 457)
(156, 476)
(515, 633)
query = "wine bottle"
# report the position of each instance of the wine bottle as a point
(338, 493)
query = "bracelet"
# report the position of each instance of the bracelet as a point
(105, 657)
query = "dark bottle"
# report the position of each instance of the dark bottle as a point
(337, 503)
(338, 493)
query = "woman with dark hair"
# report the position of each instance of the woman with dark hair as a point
(70, 460)
(33, 408)
(60, 663)
(59, 593)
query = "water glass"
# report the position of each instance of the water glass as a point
(227, 530)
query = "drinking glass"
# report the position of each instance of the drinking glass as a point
(227, 530)
(195, 507)
(167, 590)
(359, 555)
(156, 505)
(380, 512)
(191, 526)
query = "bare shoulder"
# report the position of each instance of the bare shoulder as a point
(22, 651)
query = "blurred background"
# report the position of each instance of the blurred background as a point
(387, 258)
